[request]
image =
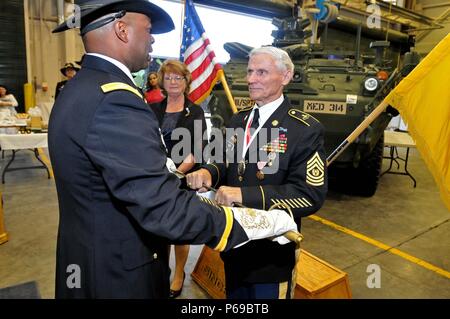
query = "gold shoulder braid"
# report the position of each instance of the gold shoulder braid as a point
(249, 108)
(115, 86)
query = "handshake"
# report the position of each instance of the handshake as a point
(274, 224)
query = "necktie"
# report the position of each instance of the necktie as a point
(255, 121)
(254, 125)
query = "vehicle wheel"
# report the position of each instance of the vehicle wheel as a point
(363, 180)
(367, 175)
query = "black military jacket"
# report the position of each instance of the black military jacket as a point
(192, 118)
(59, 87)
(119, 205)
(299, 183)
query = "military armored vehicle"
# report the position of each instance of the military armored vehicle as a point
(338, 80)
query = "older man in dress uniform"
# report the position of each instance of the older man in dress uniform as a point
(285, 169)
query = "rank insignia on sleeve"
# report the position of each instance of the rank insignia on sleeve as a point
(208, 201)
(315, 171)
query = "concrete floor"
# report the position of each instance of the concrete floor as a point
(413, 220)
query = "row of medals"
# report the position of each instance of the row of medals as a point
(259, 173)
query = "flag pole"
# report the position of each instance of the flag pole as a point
(227, 91)
(183, 9)
(368, 120)
(361, 127)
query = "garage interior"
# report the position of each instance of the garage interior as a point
(402, 232)
(412, 220)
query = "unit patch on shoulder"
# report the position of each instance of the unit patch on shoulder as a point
(315, 171)
(115, 86)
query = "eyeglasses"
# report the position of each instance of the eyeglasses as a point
(176, 78)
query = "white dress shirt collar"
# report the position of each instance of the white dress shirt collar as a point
(265, 112)
(119, 64)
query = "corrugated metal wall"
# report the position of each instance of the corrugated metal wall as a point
(13, 69)
(440, 10)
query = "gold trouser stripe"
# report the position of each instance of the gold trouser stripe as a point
(226, 233)
(45, 159)
(114, 86)
(282, 290)
(263, 198)
(218, 174)
(383, 246)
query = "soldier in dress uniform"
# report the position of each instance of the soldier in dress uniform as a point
(119, 204)
(287, 169)
(68, 70)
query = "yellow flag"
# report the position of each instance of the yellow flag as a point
(423, 100)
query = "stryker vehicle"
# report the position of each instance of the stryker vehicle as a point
(339, 81)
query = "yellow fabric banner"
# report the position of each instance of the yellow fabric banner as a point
(423, 100)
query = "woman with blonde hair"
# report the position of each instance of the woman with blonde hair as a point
(177, 111)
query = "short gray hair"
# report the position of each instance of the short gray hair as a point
(283, 61)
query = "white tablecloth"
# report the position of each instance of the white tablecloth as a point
(13, 123)
(23, 141)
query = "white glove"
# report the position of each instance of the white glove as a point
(259, 224)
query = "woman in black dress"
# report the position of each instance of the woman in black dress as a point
(177, 111)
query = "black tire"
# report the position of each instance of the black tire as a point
(363, 180)
(367, 175)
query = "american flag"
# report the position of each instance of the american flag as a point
(198, 55)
